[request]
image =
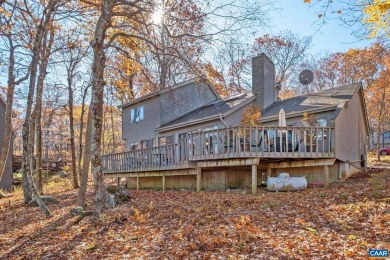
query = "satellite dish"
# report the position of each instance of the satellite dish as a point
(306, 77)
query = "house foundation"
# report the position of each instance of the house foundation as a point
(223, 175)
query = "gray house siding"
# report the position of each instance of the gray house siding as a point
(183, 100)
(6, 181)
(363, 131)
(297, 120)
(263, 79)
(185, 129)
(351, 133)
(144, 129)
(234, 118)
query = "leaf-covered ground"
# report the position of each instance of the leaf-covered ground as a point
(341, 222)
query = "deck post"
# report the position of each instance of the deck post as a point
(163, 182)
(198, 179)
(269, 172)
(326, 176)
(137, 182)
(254, 179)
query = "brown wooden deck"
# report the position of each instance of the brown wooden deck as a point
(229, 143)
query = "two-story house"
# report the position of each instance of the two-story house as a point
(187, 136)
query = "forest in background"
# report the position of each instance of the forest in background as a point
(68, 64)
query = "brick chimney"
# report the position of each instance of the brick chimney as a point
(263, 81)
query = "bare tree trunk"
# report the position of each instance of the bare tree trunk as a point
(41, 205)
(112, 130)
(81, 132)
(27, 146)
(28, 125)
(103, 142)
(8, 114)
(378, 136)
(99, 60)
(71, 126)
(86, 163)
(38, 106)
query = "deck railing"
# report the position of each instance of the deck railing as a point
(276, 142)
(233, 142)
(154, 158)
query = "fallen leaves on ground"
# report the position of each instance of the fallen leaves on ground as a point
(341, 222)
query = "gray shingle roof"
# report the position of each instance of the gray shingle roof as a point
(218, 107)
(327, 98)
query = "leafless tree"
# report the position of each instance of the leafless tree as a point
(14, 42)
(134, 25)
(72, 56)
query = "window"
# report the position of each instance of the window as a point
(166, 140)
(162, 141)
(136, 114)
(386, 135)
(322, 122)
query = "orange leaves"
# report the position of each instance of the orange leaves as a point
(181, 225)
(377, 17)
(300, 221)
(307, 1)
(251, 116)
(309, 119)
(216, 79)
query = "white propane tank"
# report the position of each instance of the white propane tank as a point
(286, 183)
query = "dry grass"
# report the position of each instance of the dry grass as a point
(383, 163)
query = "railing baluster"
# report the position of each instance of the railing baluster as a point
(317, 141)
(244, 140)
(238, 141)
(329, 142)
(324, 133)
(280, 142)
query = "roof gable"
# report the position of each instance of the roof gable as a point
(327, 99)
(211, 111)
(171, 88)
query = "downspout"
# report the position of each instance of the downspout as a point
(220, 117)
(340, 170)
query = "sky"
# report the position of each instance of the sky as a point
(298, 17)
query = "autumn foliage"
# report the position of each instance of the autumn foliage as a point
(342, 222)
(251, 116)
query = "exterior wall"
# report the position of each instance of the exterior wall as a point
(195, 127)
(351, 133)
(224, 178)
(183, 100)
(263, 79)
(144, 129)
(6, 181)
(212, 179)
(313, 175)
(234, 118)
